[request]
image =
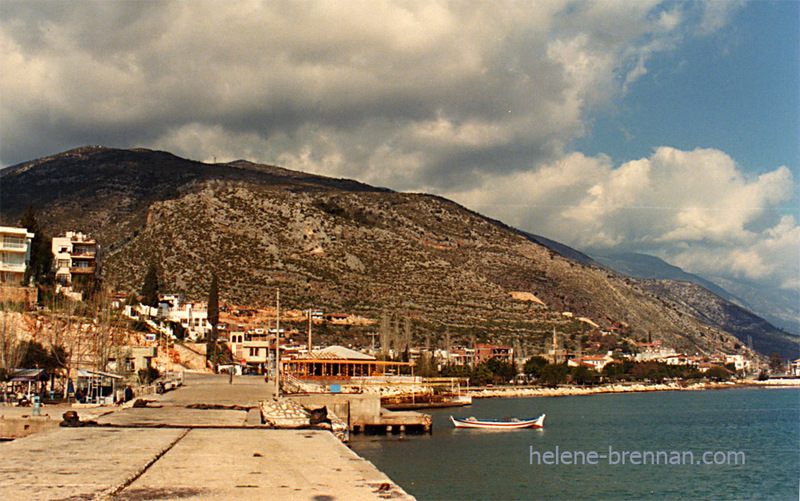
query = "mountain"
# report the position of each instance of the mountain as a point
(717, 311)
(418, 260)
(650, 267)
(779, 307)
(690, 294)
(566, 251)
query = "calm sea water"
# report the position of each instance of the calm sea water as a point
(764, 424)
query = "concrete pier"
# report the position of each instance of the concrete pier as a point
(363, 411)
(174, 450)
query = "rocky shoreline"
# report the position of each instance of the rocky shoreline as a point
(562, 391)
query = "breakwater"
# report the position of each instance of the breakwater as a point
(517, 391)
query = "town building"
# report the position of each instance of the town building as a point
(460, 356)
(132, 359)
(740, 363)
(252, 348)
(484, 352)
(338, 363)
(191, 316)
(15, 254)
(595, 362)
(75, 255)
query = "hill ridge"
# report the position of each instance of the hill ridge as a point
(338, 244)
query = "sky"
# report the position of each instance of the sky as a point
(664, 127)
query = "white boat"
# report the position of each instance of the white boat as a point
(462, 399)
(498, 424)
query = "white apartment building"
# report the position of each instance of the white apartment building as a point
(75, 254)
(192, 316)
(15, 254)
(171, 308)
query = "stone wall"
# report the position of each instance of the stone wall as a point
(16, 294)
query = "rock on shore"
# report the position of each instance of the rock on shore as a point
(577, 390)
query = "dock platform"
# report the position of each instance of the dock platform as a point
(175, 450)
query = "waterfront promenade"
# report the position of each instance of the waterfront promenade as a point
(202, 441)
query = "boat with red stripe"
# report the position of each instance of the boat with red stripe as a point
(498, 424)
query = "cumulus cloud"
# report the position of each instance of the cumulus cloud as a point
(457, 87)
(696, 209)
(476, 100)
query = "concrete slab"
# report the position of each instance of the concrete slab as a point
(214, 389)
(222, 464)
(78, 463)
(127, 462)
(175, 416)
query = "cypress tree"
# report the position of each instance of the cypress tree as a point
(213, 319)
(149, 290)
(41, 263)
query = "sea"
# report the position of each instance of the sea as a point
(736, 444)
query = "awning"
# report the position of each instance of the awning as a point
(95, 374)
(29, 375)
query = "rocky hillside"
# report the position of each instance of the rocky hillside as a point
(694, 296)
(717, 311)
(779, 307)
(337, 245)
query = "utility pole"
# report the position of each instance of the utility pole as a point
(309, 333)
(277, 343)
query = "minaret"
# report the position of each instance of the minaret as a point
(555, 346)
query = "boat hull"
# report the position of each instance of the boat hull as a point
(490, 424)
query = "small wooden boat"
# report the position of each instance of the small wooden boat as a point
(498, 424)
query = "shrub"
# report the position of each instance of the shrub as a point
(147, 376)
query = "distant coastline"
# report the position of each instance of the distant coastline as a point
(562, 391)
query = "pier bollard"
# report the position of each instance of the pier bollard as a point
(402, 428)
(388, 428)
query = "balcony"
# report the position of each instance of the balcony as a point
(83, 255)
(87, 270)
(6, 245)
(14, 268)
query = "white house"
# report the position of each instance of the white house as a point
(741, 362)
(171, 308)
(596, 362)
(192, 316)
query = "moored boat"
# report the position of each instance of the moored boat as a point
(498, 424)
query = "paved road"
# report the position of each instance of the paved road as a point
(214, 389)
(184, 454)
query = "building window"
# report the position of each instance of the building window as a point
(13, 242)
(13, 259)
